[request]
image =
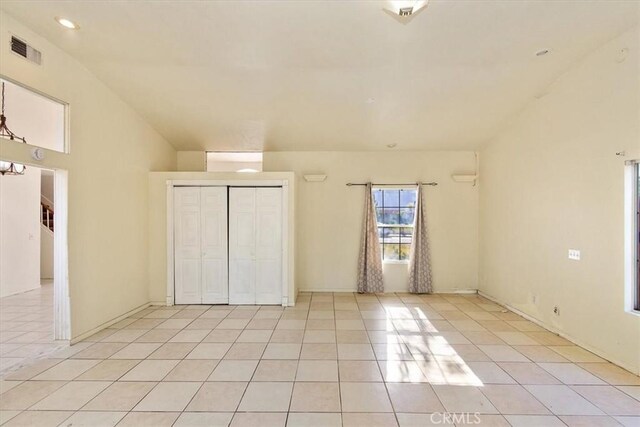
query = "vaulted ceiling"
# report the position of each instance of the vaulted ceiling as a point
(327, 75)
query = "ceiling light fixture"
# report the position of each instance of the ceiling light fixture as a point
(67, 23)
(393, 145)
(9, 168)
(405, 8)
(542, 52)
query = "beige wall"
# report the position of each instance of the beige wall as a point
(194, 161)
(111, 152)
(157, 222)
(329, 215)
(46, 186)
(46, 253)
(19, 232)
(551, 182)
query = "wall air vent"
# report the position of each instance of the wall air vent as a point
(21, 48)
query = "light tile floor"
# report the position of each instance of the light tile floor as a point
(26, 328)
(333, 360)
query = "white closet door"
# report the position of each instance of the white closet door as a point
(268, 246)
(242, 245)
(188, 271)
(213, 223)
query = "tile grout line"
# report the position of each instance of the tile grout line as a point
(402, 335)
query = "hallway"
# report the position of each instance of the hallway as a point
(26, 328)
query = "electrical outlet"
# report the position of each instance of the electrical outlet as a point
(534, 299)
(556, 310)
(574, 254)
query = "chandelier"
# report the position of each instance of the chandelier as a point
(9, 168)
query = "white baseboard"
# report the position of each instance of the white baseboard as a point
(353, 291)
(458, 291)
(338, 290)
(108, 323)
(159, 303)
(561, 333)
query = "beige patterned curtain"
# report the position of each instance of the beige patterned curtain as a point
(370, 259)
(419, 257)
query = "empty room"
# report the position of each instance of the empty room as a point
(320, 213)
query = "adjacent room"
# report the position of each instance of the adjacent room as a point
(320, 213)
(28, 227)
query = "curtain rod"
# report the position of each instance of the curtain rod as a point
(351, 184)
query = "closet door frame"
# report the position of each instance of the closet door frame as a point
(287, 297)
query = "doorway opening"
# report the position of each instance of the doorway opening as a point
(34, 295)
(34, 289)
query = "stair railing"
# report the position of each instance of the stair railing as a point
(47, 215)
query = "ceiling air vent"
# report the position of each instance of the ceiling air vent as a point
(23, 49)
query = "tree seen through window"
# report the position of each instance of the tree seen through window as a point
(395, 211)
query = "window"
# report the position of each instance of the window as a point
(39, 119)
(222, 161)
(632, 236)
(395, 211)
(636, 233)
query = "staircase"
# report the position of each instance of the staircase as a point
(46, 215)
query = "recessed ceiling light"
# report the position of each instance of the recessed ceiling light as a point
(392, 145)
(67, 23)
(542, 52)
(371, 100)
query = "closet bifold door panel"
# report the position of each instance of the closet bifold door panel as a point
(188, 271)
(242, 242)
(213, 232)
(269, 246)
(255, 245)
(200, 245)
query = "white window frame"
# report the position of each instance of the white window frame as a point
(631, 229)
(378, 224)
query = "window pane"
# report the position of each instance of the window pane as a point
(391, 251)
(406, 235)
(379, 216)
(393, 235)
(404, 251)
(377, 198)
(38, 119)
(390, 216)
(637, 236)
(383, 232)
(406, 216)
(234, 161)
(391, 198)
(407, 198)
